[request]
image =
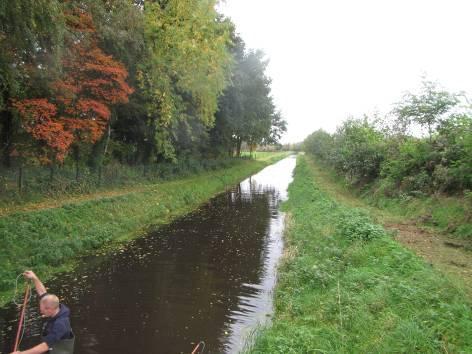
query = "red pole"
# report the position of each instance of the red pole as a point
(22, 317)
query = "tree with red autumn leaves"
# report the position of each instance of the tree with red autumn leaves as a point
(39, 118)
(78, 110)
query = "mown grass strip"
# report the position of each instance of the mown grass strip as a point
(49, 240)
(345, 286)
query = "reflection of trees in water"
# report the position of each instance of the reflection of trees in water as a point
(251, 188)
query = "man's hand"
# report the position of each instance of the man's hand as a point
(39, 349)
(40, 289)
(30, 275)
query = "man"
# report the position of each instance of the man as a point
(57, 334)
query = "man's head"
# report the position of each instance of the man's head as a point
(49, 305)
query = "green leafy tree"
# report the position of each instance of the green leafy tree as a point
(454, 143)
(277, 129)
(360, 149)
(425, 109)
(246, 107)
(223, 138)
(320, 144)
(187, 66)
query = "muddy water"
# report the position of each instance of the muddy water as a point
(207, 277)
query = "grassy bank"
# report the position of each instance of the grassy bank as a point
(346, 287)
(451, 215)
(445, 214)
(48, 239)
(40, 185)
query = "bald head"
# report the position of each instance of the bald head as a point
(50, 301)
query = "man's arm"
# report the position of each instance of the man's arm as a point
(40, 288)
(39, 349)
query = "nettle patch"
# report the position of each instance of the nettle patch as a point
(354, 225)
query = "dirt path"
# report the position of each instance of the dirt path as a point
(56, 203)
(451, 255)
(70, 199)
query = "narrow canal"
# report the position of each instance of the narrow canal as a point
(207, 276)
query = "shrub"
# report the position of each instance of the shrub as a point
(355, 225)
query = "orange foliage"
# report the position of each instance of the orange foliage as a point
(39, 119)
(92, 83)
(80, 109)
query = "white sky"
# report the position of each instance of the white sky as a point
(334, 58)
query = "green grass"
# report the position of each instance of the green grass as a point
(270, 156)
(445, 214)
(38, 185)
(346, 287)
(263, 155)
(48, 240)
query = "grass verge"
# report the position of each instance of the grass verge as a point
(48, 240)
(346, 287)
(450, 215)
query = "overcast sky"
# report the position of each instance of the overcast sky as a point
(334, 58)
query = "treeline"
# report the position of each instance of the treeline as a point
(86, 83)
(423, 147)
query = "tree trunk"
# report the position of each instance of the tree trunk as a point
(20, 178)
(51, 172)
(77, 170)
(76, 154)
(252, 147)
(99, 175)
(6, 137)
(238, 146)
(108, 139)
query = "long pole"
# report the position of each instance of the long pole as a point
(198, 347)
(22, 317)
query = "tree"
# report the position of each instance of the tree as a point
(39, 120)
(257, 106)
(320, 144)
(359, 150)
(31, 36)
(223, 136)
(120, 33)
(187, 68)
(427, 108)
(277, 129)
(246, 107)
(67, 68)
(79, 109)
(454, 143)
